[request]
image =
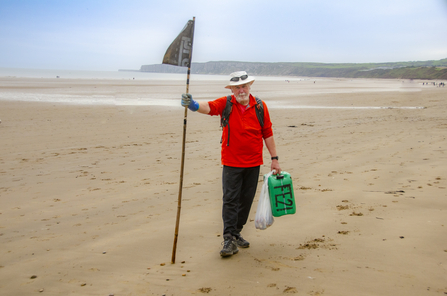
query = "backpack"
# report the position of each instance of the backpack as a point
(224, 120)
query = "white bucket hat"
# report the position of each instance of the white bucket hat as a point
(238, 78)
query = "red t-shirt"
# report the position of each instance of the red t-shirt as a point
(246, 135)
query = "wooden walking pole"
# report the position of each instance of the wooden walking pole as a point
(180, 189)
(180, 54)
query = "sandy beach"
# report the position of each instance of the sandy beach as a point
(88, 192)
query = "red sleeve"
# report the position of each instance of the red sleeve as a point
(217, 106)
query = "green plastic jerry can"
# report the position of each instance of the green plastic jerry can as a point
(281, 194)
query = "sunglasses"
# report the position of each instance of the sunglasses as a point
(235, 79)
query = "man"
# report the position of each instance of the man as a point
(241, 155)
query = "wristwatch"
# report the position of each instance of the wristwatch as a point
(275, 157)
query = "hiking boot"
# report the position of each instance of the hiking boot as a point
(229, 247)
(241, 242)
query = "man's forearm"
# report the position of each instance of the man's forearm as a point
(271, 146)
(204, 107)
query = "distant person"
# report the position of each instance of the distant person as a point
(241, 154)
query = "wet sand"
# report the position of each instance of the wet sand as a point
(88, 193)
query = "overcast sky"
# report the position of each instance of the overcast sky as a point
(125, 34)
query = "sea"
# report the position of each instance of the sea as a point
(119, 75)
(166, 99)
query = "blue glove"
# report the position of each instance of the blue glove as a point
(187, 101)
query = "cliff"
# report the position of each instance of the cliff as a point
(402, 70)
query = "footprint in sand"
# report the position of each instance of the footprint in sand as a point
(298, 258)
(290, 290)
(344, 232)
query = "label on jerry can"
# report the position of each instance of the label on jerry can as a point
(282, 198)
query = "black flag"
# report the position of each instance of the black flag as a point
(180, 51)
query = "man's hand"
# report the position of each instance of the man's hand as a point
(187, 101)
(275, 166)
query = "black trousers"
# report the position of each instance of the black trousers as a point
(239, 189)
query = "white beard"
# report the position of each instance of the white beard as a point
(243, 99)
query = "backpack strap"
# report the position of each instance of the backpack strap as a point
(260, 111)
(224, 120)
(226, 112)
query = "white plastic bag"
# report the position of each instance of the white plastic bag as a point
(264, 217)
